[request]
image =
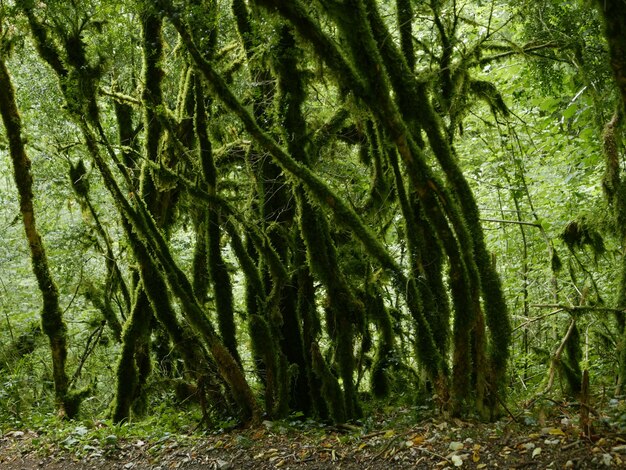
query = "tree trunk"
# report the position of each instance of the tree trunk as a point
(51, 315)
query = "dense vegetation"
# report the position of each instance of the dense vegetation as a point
(277, 208)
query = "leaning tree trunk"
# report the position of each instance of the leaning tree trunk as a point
(51, 316)
(614, 13)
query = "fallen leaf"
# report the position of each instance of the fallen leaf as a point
(455, 445)
(553, 431)
(222, 464)
(536, 452)
(389, 434)
(457, 460)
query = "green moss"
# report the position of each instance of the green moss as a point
(128, 378)
(570, 364)
(330, 389)
(404, 14)
(51, 316)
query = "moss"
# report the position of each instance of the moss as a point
(430, 350)
(570, 364)
(488, 92)
(184, 340)
(131, 368)
(580, 233)
(380, 195)
(404, 14)
(127, 133)
(311, 327)
(218, 272)
(79, 179)
(52, 323)
(95, 297)
(200, 270)
(264, 351)
(73, 401)
(380, 380)
(330, 389)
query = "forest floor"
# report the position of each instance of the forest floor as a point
(389, 443)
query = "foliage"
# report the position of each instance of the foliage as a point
(272, 207)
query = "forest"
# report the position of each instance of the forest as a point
(221, 214)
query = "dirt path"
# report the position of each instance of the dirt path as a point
(429, 445)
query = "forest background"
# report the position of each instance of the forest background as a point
(246, 210)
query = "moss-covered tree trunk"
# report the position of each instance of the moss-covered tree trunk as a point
(614, 13)
(218, 271)
(51, 316)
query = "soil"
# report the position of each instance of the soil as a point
(431, 444)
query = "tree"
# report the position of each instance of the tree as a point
(283, 198)
(51, 317)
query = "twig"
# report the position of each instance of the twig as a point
(570, 445)
(516, 222)
(391, 441)
(535, 319)
(89, 348)
(503, 404)
(373, 434)
(120, 97)
(556, 357)
(426, 451)
(580, 308)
